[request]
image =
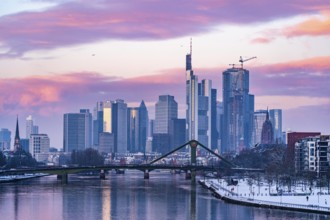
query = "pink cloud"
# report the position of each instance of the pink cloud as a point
(46, 94)
(261, 40)
(311, 27)
(79, 22)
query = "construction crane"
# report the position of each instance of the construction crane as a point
(242, 61)
(233, 65)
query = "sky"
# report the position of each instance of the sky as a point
(59, 56)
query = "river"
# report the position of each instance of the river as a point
(128, 196)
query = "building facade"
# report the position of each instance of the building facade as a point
(39, 146)
(259, 118)
(275, 116)
(5, 139)
(311, 155)
(77, 131)
(191, 99)
(30, 127)
(238, 110)
(119, 125)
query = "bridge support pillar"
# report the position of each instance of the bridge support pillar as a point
(188, 175)
(146, 174)
(102, 175)
(63, 178)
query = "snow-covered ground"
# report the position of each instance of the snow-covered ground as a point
(299, 197)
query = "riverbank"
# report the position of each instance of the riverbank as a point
(264, 196)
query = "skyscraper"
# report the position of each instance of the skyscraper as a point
(143, 126)
(166, 111)
(258, 120)
(119, 125)
(238, 110)
(97, 122)
(77, 130)
(267, 134)
(133, 122)
(191, 99)
(275, 116)
(30, 127)
(5, 139)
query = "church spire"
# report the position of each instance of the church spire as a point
(17, 140)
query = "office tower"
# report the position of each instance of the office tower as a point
(191, 99)
(17, 143)
(25, 144)
(106, 142)
(5, 139)
(143, 126)
(30, 127)
(219, 123)
(137, 128)
(178, 135)
(207, 114)
(214, 131)
(238, 110)
(133, 129)
(118, 125)
(166, 111)
(107, 116)
(77, 131)
(151, 127)
(39, 146)
(267, 134)
(97, 122)
(258, 120)
(275, 116)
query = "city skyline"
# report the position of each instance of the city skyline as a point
(68, 58)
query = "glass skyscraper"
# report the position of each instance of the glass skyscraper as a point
(77, 130)
(275, 116)
(238, 110)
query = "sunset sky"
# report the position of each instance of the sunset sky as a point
(58, 56)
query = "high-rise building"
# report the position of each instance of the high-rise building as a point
(267, 134)
(97, 122)
(238, 110)
(5, 139)
(178, 135)
(191, 99)
(106, 142)
(258, 120)
(137, 128)
(107, 116)
(219, 123)
(204, 112)
(77, 131)
(118, 125)
(133, 122)
(30, 127)
(214, 131)
(143, 126)
(166, 111)
(275, 116)
(39, 146)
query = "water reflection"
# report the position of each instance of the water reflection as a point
(129, 196)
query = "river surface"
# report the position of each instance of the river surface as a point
(128, 196)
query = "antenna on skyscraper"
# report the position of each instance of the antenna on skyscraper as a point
(190, 46)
